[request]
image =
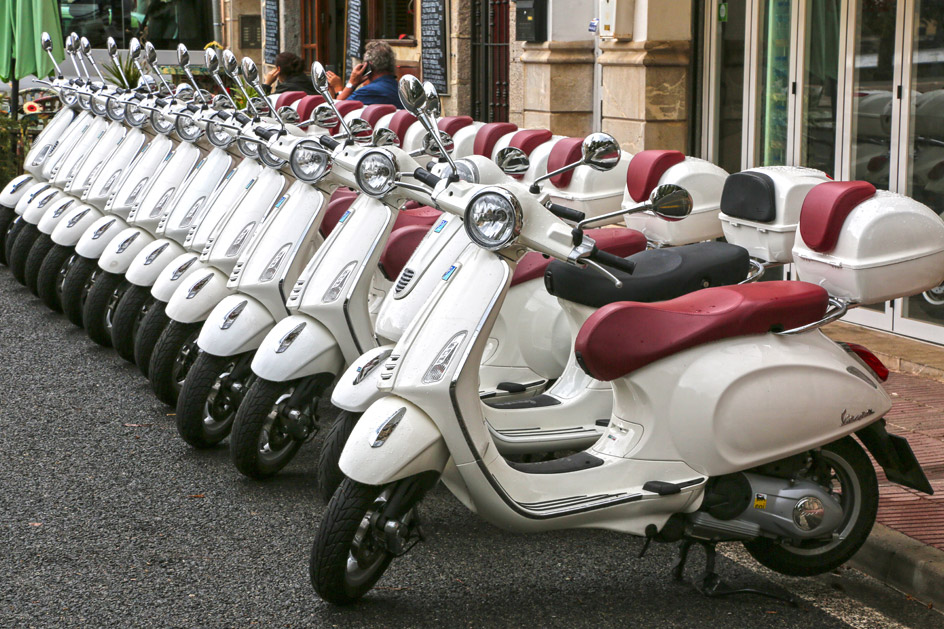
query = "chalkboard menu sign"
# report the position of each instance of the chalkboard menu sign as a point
(433, 59)
(271, 30)
(355, 21)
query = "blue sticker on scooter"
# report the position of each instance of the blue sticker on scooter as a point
(449, 273)
(281, 201)
(344, 216)
(249, 185)
(439, 227)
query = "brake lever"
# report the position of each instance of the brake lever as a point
(599, 267)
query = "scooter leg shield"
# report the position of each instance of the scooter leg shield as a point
(298, 346)
(15, 189)
(46, 202)
(95, 239)
(56, 214)
(74, 222)
(175, 274)
(151, 260)
(38, 188)
(120, 252)
(196, 298)
(236, 325)
(357, 389)
(393, 439)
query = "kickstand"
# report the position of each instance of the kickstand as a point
(711, 584)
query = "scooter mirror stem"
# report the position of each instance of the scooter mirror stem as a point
(47, 46)
(70, 50)
(427, 121)
(86, 48)
(151, 54)
(183, 57)
(113, 53)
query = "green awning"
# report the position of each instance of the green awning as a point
(22, 23)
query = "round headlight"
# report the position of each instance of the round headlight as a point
(68, 96)
(267, 158)
(134, 115)
(249, 149)
(467, 171)
(85, 100)
(376, 173)
(99, 104)
(187, 128)
(161, 125)
(115, 109)
(493, 219)
(218, 136)
(310, 162)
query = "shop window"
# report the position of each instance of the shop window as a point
(392, 20)
(164, 23)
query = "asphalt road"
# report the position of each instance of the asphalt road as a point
(108, 519)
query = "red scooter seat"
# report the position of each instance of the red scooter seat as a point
(408, 230)
(646, 169)
(622, 337)
(344, 108)
(619, 241)
(373, 113)
(826, 208)
(307, 105)
(565, 152)
(451, 124)
(488, 135)
(527, 140)
(401, 121)
(287, 98)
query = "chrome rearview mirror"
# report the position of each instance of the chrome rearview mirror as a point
(183, 56)
(211, 60)
(433, 102)
(86, 46)
(412, 94)
(600, 151)
(325, 116)
(134, 48)
(512, 161)
(384, 136)
(251, 74)
(150, 53)
(112, 47)
(250, 71)
(230, 63)
(47, 42)
(289, 115)
(360, 130)
(431, 147)
(671, 202)
(319, 78)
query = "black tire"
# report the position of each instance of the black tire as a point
(7, 215)
(329, 474)
(51, 275)
(99, 309)
(328, 567)
(75, 288)
(19, 250)
(149, 333)
(209, 400)
(172, 359)
(10, 235)
(130, 312)
(259, 446)
(34, 261)
(859, 498)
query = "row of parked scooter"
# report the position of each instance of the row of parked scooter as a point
(441, 281)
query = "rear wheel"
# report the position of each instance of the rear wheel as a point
(130, 311)
(173, 357)
(34, 261)
(100, 304)
(149, 333)
(7, 215)
(329, 474)
(78, 280)
(210, 397)
(52, 273)
(19, 250)
(844, 469)
(273, 422)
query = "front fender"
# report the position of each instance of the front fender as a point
(57, 213)
(151, 260)
(15, 189)
(195, 299)
(74, 223)
(29, 193)
(96, 237)
(296, 347)
(357, 389)
(122, 249)
(174, 274)
(35, 208)
(413, 444)
(235, 325)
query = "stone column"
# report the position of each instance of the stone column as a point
(645, 87)
(515, 72)
(290, 32)
(459, 100)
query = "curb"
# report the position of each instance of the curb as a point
(903, 563)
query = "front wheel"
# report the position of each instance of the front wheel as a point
(12, 232)
(34, 261)
(173, 357)
(149, 333)
(329, 474)
(18, 250)
(130, 311)
(845, 470)
(363, 529)
(52, 273)
(99, 310)
(75, 287)
(7, 216)
(210, 397)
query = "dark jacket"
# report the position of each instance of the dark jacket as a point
(294, 83)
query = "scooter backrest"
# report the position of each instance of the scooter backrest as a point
(339, 203)
(374, 113)
(464, 139)
(348, 109)
(646, 169)
(408, 230)
(400, 122)
(591, 191)
(531, 141)
(287, 98)
(489, 135)
(454, 126)
(826, 208)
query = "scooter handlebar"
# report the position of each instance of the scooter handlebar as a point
(267, 134)
(613, 261)
(328, 142)
(424, 176)
(566, 213)
(242, 118)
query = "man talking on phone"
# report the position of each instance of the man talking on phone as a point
(372, 82)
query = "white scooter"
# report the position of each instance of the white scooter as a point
(697, 447)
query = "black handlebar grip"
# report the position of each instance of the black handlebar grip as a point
(424, 176)
(139, 97)
(223, 115)
(566, 213)
(193, 108)
(328, 142)
(160, 102)
(242, 118)
(266, 134)
(613, 261)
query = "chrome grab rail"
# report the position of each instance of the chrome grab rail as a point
(837, 310)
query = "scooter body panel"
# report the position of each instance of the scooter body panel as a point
(121, 251)
(44, 202)
(356, 389)
(195, 298)
(144, 169)
(298, 346)
(115, 169)
(15, 190)
(52, 217)
(151, 260)
(162, 193)
(58, 155)
(72, 162)
(46, 142)
(34, 191)
(74, 224)
(225, 202)
(235, 325)
(174, 274)
(104, 146)
(199, 187)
